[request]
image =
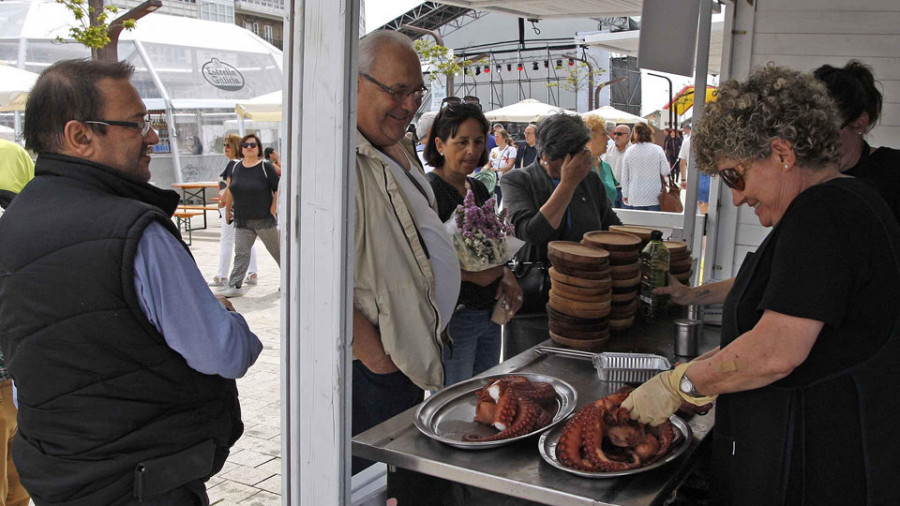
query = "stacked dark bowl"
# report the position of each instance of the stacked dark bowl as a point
(625, 270)
(580, 295)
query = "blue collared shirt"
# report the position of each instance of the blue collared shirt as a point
(175, 298)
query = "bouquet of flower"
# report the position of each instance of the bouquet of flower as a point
(481, 237)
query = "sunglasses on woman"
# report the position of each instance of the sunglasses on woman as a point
(732, 178)
(251, 145)
(452, 101)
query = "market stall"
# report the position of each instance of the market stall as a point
(189, 72)
(519, 469)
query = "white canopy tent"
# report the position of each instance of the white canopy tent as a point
(523, 112)
(189, 72)
(14, 87)
(610, 113)
(263, 108)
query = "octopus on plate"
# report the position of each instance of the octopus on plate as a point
(514, 406)
(602, 437)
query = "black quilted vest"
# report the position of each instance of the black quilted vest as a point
(99, 390)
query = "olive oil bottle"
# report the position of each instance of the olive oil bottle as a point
(654, 273)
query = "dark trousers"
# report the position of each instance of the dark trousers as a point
(377, 397)
(192, 494)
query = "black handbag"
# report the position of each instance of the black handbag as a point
(534, 279)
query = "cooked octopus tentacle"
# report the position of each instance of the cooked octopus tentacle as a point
(514, 406)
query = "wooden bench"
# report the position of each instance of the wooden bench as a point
(183, 221)
(202, 210)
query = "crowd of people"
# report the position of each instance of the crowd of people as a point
(142, 360)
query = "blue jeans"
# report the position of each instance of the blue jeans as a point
(476, 345)
(645, 208)
(618, 203)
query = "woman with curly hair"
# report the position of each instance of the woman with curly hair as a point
(859, 106)
(806, 372)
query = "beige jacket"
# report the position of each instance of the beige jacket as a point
(394, 285)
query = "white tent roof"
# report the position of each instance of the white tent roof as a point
(610, 113)
(14, 87)
(549, 10)
(263, 108)
(523, 112)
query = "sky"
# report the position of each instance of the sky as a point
(655, 91)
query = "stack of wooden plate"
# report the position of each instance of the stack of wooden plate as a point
(580, 295)
(680, 261)
(625, 270)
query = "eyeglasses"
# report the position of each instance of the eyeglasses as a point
(399, 95)
(734, 179)
(251, 145)
(619, 133)
(143, 125)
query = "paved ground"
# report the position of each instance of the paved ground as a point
(252, 474)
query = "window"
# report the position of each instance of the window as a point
(267, 31)
(248, 25)
(256, 28)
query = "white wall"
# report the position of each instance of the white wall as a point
(805, 34)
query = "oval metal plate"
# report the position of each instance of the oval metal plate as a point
(449, 414)
(547, 448)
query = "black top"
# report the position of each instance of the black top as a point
(252, 189)
(881, 168)
(803, 440)
(100, 390)
(525, 155)
(471, 295)
(527, 189)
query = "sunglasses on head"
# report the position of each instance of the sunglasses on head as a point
(453, 101)
(733, 178)
(249, 145)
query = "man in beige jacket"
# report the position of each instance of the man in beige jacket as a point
(406, 271)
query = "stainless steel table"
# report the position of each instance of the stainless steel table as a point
(518, 470)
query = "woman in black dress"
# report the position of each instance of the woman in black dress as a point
(807, 371)
(456, 147)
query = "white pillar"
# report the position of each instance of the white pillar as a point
(321, 40)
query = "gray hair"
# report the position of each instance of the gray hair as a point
(424, 124)
(371, 44)
(561, 134)
(774, 103)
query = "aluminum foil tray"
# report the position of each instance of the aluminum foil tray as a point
(629, 367)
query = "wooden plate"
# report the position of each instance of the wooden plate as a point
(579, 309)
(625, 271)
(589, 299)
(675, 246)
(587, 345)
(576, 273)
(622, 258)
(600, 266)
(620, 324)
(642, 232)
(576, 252)
(612, 241)
(577, 290)
(624, 283)
(625, 289)
(562, 329)
(680, 266)
(590, 323)
(600, 284)
(684, 278)
(624, 297)
(620, 310)
(679, 255)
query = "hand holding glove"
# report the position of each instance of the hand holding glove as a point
(656, 400)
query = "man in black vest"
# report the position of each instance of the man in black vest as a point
(124, 360)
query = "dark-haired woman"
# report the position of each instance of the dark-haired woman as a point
(251, 200)
(556, 198)
(456, 147)
(858, 100)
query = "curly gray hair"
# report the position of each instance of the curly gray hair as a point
(774, 103)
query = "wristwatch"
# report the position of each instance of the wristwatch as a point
(687, 387)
